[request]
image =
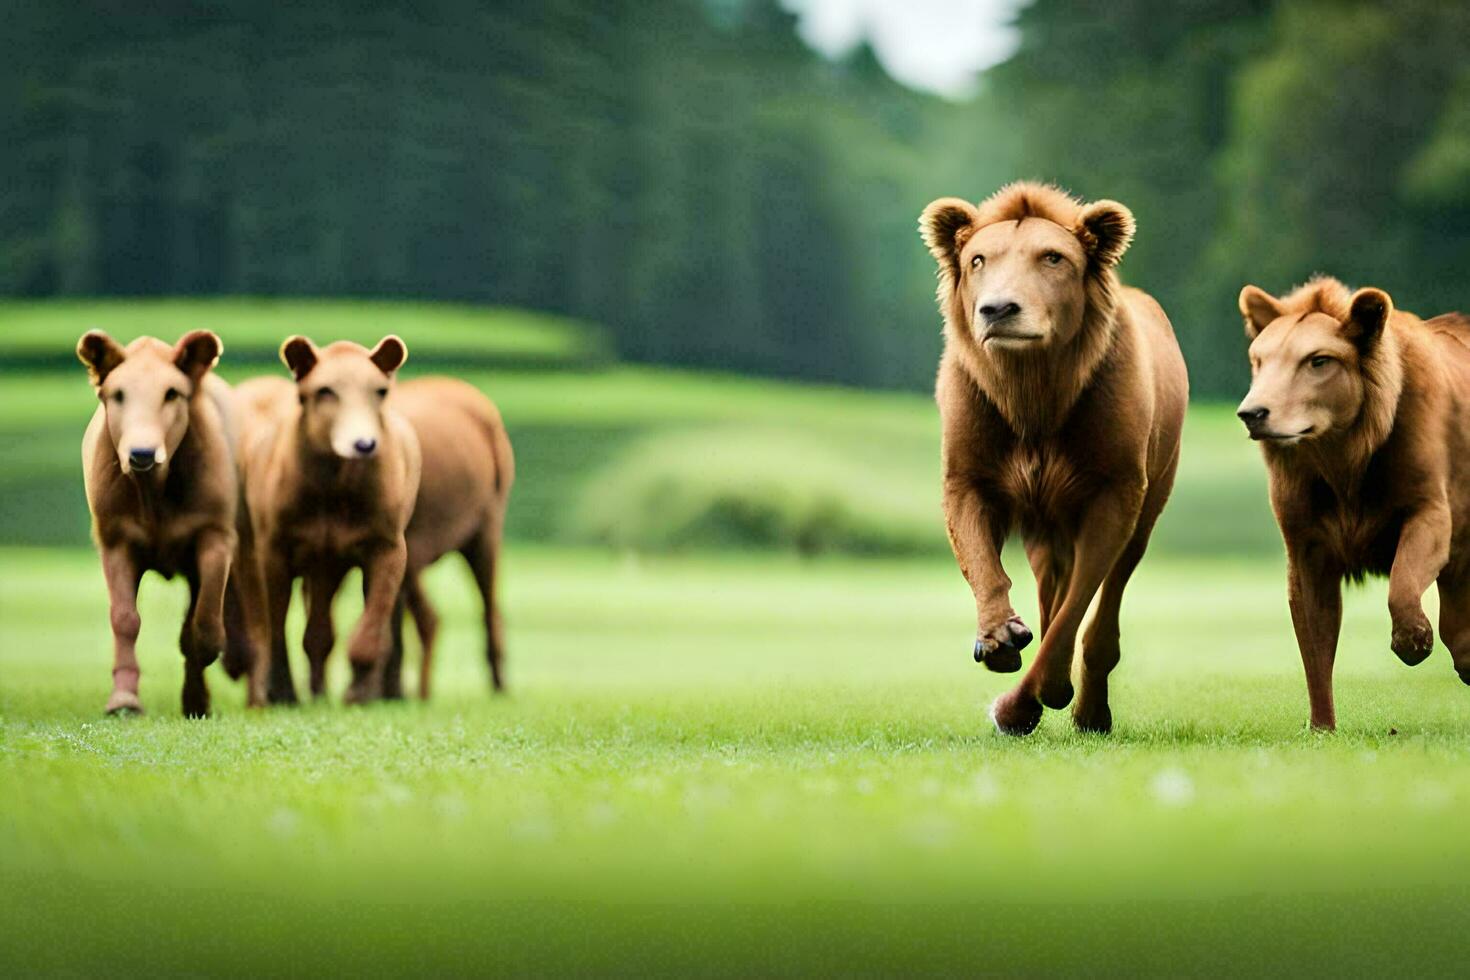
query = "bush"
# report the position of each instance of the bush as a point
(721, 487)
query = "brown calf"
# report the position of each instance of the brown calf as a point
(1061, 397)
(330, 474)
(159, 468)
(468, 468)
(1363, 416)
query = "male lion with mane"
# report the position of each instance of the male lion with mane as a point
(1363, 416)
(1062, 397)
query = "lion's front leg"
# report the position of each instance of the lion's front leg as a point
(976, 533)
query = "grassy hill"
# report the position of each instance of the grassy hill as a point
(632, 457)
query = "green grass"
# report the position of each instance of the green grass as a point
(738, 766)
(789, 450)
(253, 329)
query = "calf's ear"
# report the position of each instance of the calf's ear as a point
(389, 355)
(1105, 229)
(196, 352)
(100, 353)
(945, 226)
(299, 354)
(1368, 312)
(1259, 308)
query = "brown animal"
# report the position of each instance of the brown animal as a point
(159, 469)
(1062, 397)
(330, 475)
(1363, 415)
(468, 468)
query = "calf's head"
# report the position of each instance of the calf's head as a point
(145, 389)
(1308, 363)
(1019, 271)
(342, 388)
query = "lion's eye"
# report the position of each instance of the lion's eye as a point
(1320, 361)
(1052, 258)
(172, 394)
(977, 261)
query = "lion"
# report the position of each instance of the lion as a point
(1363, 416)
(1062, 396)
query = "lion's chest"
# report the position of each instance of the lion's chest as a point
(1043, 486)
(1363, 540)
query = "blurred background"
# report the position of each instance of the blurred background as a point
(601, 206)
(675, 241)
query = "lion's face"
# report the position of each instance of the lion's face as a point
(1021, 284)
(1306, 369)
(1017, 272)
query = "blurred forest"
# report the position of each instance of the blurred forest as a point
(694, 177)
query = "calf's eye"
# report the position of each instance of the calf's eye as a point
(172, 394)
(117, 397)
(325, 394)
(382, 392)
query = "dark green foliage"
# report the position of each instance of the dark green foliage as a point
(693, 176)
(696, 179)
(1258, 142)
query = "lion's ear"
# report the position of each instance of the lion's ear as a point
(1367, 313)
(945, 226)
(1105, 229)
(1259, 308)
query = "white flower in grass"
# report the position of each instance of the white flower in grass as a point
(1172, 787)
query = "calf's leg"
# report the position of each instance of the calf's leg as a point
(122, 575)
(281, 688)
(483, 555)
(426, 622)
(203, 635)
(371, 639)
(321, 635)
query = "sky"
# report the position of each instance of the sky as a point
(934, 45)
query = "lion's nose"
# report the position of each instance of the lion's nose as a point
(1000, 310)
(1253, 416)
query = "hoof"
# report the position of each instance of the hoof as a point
(281, 695)
(123, 704)
(1056, 696)
(235, 662)
(1413, 643)
(365, 687)
(1000, 649)
(1090, 718)
(1015, 713)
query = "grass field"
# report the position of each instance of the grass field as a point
(736, 766)
(717, 757)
